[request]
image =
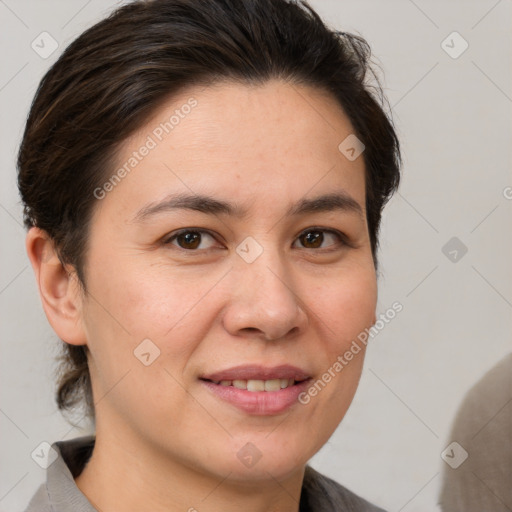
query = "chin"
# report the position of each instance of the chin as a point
(264, 471)
(262, 460)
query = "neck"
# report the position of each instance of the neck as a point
(126, 474)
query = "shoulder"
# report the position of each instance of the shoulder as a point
(40, 501)
(481, 430)
(492, 389)
(320, 493)
(59, 493)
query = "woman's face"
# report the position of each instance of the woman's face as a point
(254, 281)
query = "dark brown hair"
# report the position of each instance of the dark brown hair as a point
(115, 75)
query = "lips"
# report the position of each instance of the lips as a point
(258, 390)
(257, 372)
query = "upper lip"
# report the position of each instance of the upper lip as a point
(258, 372)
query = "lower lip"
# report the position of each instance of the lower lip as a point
(263, 403)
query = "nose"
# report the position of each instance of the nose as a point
(263, 302)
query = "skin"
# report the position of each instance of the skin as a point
(163, 441)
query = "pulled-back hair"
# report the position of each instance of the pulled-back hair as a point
(114, 76)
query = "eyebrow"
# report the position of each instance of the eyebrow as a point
(338, 201)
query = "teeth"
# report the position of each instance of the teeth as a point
(240, 384)
(272, 385)
(255, 385)
(258, 385)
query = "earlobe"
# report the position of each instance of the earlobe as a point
(58, 288)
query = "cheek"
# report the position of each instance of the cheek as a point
(124, 311)
(156, 302)
(347, 305)
(344, 309)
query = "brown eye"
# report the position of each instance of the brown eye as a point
(312, 239)
(315, 238)
(189, 239)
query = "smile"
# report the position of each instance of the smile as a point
(258, 402)
(258, 385)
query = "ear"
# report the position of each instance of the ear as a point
(58, 288)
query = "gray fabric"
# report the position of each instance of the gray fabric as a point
(483, 427)
(321, 494)
(60, 493)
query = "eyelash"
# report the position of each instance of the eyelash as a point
(342, 238)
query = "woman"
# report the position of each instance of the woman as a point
(203, 183)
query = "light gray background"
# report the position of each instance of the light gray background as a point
(453, 117)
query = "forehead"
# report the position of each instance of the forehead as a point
(271, 142)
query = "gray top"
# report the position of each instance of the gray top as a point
(479, 475)
(61, 494)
